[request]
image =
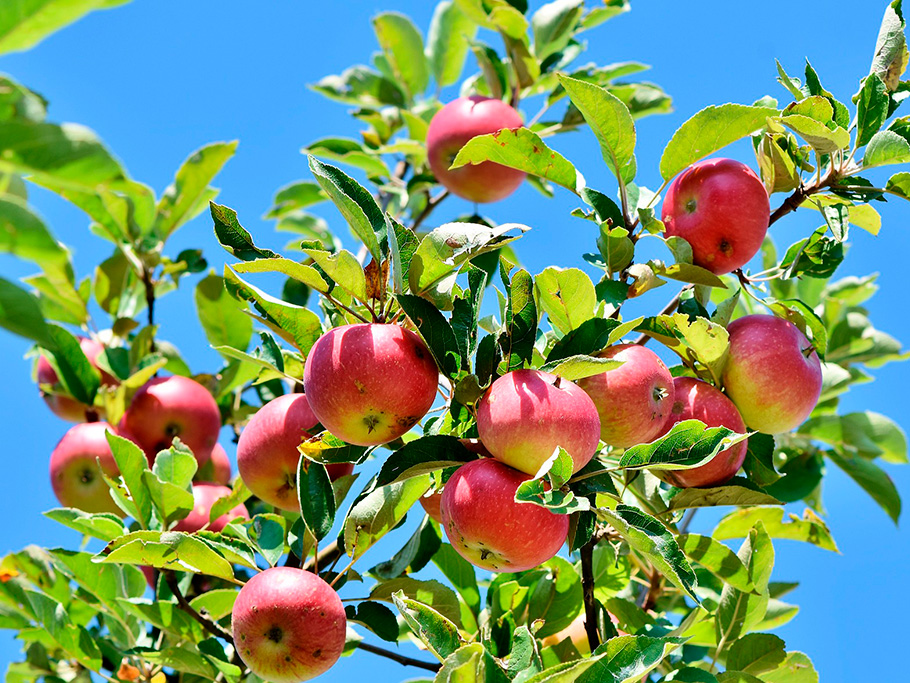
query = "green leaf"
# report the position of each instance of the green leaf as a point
(611, 123)
(379, 511)
(361, 86)
(342, 267)
(796, 668)
(316, 497)
(717, 559)
(756, 653)
(233, 237)
(871, 109)
(821, 138)
(435, 331)
(873, 480)
(707, 342)
(739, 612)
(376, 617)
(470, 663)
(23, 234)
(886, 147)
(553, 25)
(186, 196)
(461, 575)
(869, 434)
(447, 42)
(222, 317)
(20, 313)
(168, 550)
(438, 633)
(295, 196)
(628, 659)
(809, 529)
(268, 532)
(217, 603)
(403, 47)
(520, 321)
(304, 274)
(578, 367)
(351, 153)
(414, 555)
(709, 130)
(103, 525)
(891, 56)
(356, 204)
(25, 24)
(522, 149)
(590, 337)
(729, 494)
(567, 296)
(132, 464)
(431, 593)
(80, 378)
(421, 456)
(648, 536)
(688, 444)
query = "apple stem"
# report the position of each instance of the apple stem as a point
(587, 587)
(401, 659)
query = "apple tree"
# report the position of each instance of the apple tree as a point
(553, 461)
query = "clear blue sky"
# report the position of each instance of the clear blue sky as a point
(158, 79)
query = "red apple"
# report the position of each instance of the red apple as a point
(267, 454)
(488, 528)
(451, 128)
(698, 400)
(772, 373)
(288, 624)
(633, 400)
(526, 414)
(166, 407)
(721, 208)
(75, 474)
(204, 497)
(369, 384)
(432, 499)
(64, 406)
(217, 470)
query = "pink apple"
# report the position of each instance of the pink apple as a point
(488, 528)
(64, 406)
(698, 400)
(288, 624)
(369, 384)
(634, 399)
(526, 414)
(217, 470)
(451, 128)
(432, 499)
(267, 454)
(205, 496)
(721, 208)
(166, 407)
(75, 474)
(772, 374)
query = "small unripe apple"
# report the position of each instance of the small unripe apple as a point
(217, 470)
(632, 400)
(488, 528)
(75, 475)
(267, 454)
(64, 406)
(721, 208)
(773, 373)
(204, 497)
(166, 407)
(698, 400)
(368, 384)
(449, 131)
(288, 625)
(577, 634)
(526, 414)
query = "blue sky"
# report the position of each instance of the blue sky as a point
(158, 79)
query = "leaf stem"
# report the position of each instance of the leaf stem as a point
(401, 659)
(587, 587)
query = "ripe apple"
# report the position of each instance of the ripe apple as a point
(721, 208)
(451, 128)
(217, 470)
(64, 406)
(204, 497)
(773, 373)
(75, 475)
(288, 624)
(698, 400)
(488, 528)
(267, 454)
(526, 414)
(370, 383)
(166, 407)
(432, 499)
(633, 400)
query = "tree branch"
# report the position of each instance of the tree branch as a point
(209, 625)
(587, 587)
(401, 659)
(325, 557)
(667, 310)
(432, 203)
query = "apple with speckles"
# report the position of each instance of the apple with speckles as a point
(288, 625)
(451, 128)
(721, 208)
(526, 414)
(632, 400)
(74, 468)
(698, 400)
(267, 454)
(488, 528)
(773, 374)
(166, 407)
(205, 496)
(370, 383)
